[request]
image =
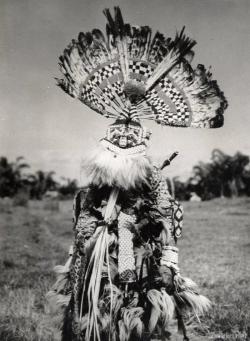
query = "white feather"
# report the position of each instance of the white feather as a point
(199, 303)
(162, 308)
(57, 301)
(104, 167)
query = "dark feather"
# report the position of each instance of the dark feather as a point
(158, 64)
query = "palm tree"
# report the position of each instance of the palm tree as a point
(181, 191)
(202, 181)
(40, 183)
(229, 170)
(69, 187)
(12, 178)
(246, 179)
(238, 163)
(6, 178)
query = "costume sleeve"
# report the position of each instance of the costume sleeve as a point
(169, 214)
(84, 225)
(165, 209)
(85, 222)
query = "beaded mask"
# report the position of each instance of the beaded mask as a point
(127, 135)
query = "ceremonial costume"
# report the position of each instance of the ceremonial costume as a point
(122, 281)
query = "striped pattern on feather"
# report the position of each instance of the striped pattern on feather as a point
(129, 67)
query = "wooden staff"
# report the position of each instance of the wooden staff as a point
(168, 161)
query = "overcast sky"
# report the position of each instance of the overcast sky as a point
(53, 131)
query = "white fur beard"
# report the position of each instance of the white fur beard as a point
(104, 167)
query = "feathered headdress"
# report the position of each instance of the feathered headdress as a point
(131, 75)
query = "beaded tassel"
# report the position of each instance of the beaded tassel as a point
(126, 258)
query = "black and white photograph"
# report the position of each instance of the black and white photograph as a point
(124, 170)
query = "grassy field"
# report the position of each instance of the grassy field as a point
(214, 252)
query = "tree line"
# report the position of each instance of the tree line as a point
(15, 177)
(223, 176)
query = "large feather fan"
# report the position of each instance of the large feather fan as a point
(131, 75)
